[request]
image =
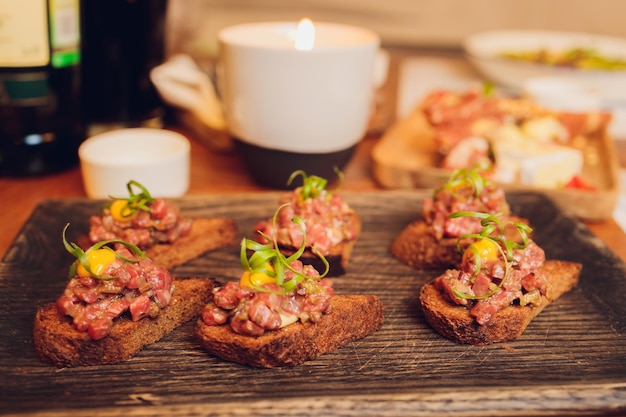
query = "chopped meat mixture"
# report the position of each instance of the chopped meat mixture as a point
(329, 221)
(162, 224)
(139, 289)
(251, 312)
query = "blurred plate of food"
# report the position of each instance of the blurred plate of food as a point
(568, 155)
(509, 57)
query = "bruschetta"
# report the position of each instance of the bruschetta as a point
(499, 287)
(115, 303)
(283, 312)
(332, 226)
(430, 241)
(156, 226)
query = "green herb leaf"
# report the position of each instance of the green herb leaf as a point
(493, 229)
(81, 255)
(134, 202)
(313, 185)
(269, 260)
(462, 180)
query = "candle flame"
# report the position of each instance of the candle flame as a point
(305, 35)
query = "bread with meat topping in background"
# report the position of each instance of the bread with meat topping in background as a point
(418, 247)
(57, 342)
(351, 317)
(338, 256)
(454, 321)
(206, 234)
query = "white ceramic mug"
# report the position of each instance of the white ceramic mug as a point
(291, 109)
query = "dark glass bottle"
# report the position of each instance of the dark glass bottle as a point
(41, 123)
(122, 41)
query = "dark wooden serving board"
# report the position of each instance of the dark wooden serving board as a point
(570, 361)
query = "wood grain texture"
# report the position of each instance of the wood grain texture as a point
(569, 361)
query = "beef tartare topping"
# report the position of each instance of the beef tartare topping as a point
(139, 219)
(251, 312)
(329, 218)
(274, 291)
(467, 190)
(106, 284)
(496, 272)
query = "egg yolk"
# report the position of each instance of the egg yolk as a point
(121, 211)
(485, 249)
(252, 279)
(99, 260)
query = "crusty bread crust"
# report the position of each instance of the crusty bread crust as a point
(205, 235)
(454, 321)
(338, 256)
(352, 317)
(418, 247)
(57, 342)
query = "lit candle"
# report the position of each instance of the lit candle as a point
(305, 35)
(304, 88)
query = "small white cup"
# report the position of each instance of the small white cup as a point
(158, 159)
(291, 109)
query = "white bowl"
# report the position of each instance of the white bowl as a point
(156, 158)
(484, 51)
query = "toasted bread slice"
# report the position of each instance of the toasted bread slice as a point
(59, 343)
(206, 235)
(454, 321)
(419, 248)
(351, 317)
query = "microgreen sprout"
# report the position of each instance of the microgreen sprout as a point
(313, 185)
(467, 179)
(82, 255)
(134, 202)
(269, 260)
(489, 89)
(493, 230)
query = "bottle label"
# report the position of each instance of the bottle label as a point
(24, 30)
(24, 89)
(65, 32)
(24, 33)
